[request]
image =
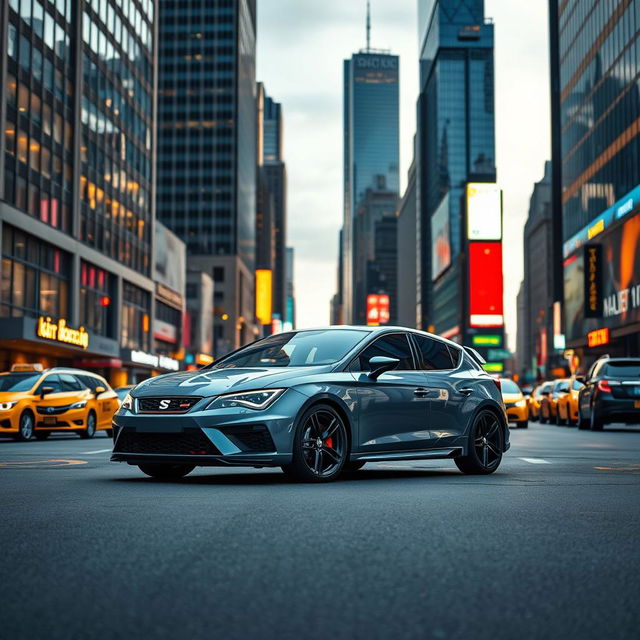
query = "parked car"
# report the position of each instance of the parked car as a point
(317, 402)
(37, 402)
(567, 409)
(549, 402)
(515, 403)
(611, 393)
(535, 400)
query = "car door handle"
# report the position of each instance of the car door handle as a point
(466, 391)
(421, 392)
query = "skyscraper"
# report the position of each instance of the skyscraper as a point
(371, 166)
(77, 140)
(455, 147)
(595, 106)
(207, 149)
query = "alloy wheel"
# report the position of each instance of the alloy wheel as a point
(26, 426)
(487, 442)
(324, 442)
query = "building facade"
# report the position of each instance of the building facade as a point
(207, 150)
(371, 167)
(406, 252)
(595, 91)
(455, 148)
(77, 175)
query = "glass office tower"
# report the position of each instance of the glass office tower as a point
(455, 145)
(595, 89)
(371, 163)
(207, 149)
(77, 129)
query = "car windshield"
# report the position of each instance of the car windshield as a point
(509, 386)
(627, 369)
(300, 349)
(18, 381)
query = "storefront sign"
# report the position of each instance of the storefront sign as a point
(593, 281)
(598, 337)
(59, 331)
(486, 341)
(156, 362)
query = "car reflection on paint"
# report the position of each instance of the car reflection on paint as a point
(317, 403)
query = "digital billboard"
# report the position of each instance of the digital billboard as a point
(484, 211)
(377, 309)
(264, 295)
(485, 284)
(441, 246)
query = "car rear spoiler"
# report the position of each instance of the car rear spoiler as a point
(475, 355)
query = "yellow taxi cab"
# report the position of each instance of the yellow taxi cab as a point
(37, 402)
(535, 400)
(515, 403)
(567, 412)
(550, 395)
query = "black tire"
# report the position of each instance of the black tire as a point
(320, 445)
(595, 421)
(543, 420)
(559, 420)
(109, 433)
(42, 435)
(523, 425)
(583, 423)
(90, 430)
(166, 471)
(485, 447)
(350, 467)
(26, 427)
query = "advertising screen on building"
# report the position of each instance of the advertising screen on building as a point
(377, 309)
(485, 284)
(441, 247)
(484, 211)
(264, 295)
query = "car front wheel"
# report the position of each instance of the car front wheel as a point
(26, 427)
(90, 430)
(320, 446)
(484, 452)
(166, 471)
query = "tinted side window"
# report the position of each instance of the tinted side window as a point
(50, 381)
(393, 346)
(69, 382)
(434, 355)
(90, 382)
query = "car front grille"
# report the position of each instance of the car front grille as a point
(52, 411)
(186, 443)
(166, 405)
(250, 438)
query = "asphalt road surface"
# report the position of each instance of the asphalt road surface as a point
(547, 547)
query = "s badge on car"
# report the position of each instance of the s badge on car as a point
(164, 404)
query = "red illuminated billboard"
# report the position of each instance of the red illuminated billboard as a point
(377, 309)
(485, 284)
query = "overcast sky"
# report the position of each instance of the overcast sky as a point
(301, 46)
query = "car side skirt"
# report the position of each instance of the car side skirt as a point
(449, 452)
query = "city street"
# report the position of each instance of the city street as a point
(545, 547)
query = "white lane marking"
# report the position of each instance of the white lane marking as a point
(536, 460)
(90, 453)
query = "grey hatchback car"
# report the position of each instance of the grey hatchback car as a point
(316, 403)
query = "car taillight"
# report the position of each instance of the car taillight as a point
(603, 385)
(498, 384)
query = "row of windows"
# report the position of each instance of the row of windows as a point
(96, 291)
(136, 331)
(119, 31)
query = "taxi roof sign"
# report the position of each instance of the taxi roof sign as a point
(34, 366)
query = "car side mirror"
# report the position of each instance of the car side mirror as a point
(381, 364)
(45, 390)
(99, 390)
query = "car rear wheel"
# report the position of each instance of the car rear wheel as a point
(583, 423)
(523, 425)
(595, 422)
(485, 446)
(26, 427)
(90, 430)
(320, 446)
(166, 471)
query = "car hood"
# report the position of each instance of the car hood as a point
(213, 382)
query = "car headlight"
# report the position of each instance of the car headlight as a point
(78, 405)
(521, 403)
(257, 400)
(5, 406)
(127, 403)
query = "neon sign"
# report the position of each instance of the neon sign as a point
(59, 331)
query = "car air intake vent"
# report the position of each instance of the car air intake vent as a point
(52, 411)
(187, 443)
(166, 404)
(250, 438)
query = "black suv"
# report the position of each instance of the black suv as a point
(611, 393)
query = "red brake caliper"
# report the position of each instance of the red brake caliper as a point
(329, 442)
